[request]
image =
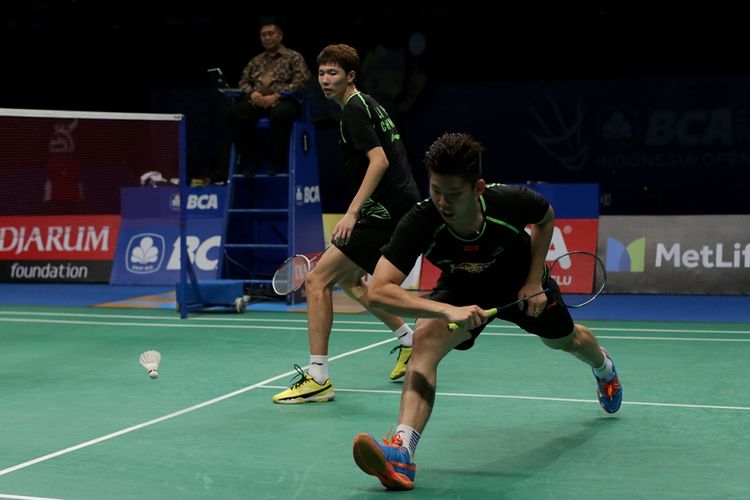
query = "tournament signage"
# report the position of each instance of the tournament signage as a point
(148, 251)
(569, 235)
(576, 207)
(57, 249)
(697, 254)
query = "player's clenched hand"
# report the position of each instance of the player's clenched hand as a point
(467, 317)
(536, 302)
(342, 233)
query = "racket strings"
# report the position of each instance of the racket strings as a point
(282, 278)
(287, 274)
(290, 276)
(580, 276)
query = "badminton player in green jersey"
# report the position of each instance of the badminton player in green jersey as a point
(380, 176)
(474, 232)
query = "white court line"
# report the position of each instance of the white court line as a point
(496, 325)
(204, 404)
(22, 497)
(538, 398)
(179, 325)
(243, 319)
(249, 319)
(304, 328)
(665, 330)
(622, 337)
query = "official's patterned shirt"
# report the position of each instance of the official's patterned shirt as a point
(284, 71)
(365, 125)
(499, 256)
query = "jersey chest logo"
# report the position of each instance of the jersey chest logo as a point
(471, 267)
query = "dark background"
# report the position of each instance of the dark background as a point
(142, 56)
(108, 55)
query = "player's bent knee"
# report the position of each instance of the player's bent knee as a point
(314, 283)
(566, 344)
(434, 335)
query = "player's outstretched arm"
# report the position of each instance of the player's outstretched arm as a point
(385, 293)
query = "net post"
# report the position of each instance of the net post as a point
(184, 259)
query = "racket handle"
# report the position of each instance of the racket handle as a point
(488, 312)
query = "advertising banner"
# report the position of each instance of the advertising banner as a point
(58, 248)
(573, 235)
(693, 254)
(148, 251)
(164, 202)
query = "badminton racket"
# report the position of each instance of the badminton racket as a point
(290, 275)
(579, 274)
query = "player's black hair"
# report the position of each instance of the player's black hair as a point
(455, 154)
(342, 55)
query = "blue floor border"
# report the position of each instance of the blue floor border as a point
(692, 308)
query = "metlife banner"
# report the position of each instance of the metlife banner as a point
(148, 250)
(697, 254)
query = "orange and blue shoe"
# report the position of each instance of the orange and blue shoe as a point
(609, 392)
(389, 462)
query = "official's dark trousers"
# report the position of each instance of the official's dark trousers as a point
(243, 117)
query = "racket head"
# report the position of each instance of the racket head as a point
(291, 274)
(580, 276)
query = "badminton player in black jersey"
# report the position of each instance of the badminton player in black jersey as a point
(380, 176)
(474, 232)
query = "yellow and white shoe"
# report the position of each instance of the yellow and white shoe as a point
(404, 355)
(306, 390)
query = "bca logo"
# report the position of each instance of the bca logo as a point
(145, 253)
(690, 128)
(196, 201)
(307, 194)
(202, 202)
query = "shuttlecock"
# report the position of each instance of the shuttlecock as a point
(150, 361)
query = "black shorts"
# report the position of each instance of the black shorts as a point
(554, 323)
(368, 236)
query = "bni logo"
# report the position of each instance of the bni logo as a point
(630, 258)
(145, 253)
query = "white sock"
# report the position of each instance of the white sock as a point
(403, 334)
(318, 368)
(410, 437)
(604, 372)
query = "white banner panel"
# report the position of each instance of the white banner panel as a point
(692, 254)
